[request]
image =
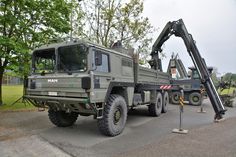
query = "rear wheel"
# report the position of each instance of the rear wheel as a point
(61, 118)
(156, 108)
(114, 116)
(195, 99)
(165, 102)
(175, 97)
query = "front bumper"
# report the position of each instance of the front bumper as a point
(81, 105)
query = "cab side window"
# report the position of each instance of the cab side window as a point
(104, 66)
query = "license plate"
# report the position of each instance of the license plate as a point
(52, 93)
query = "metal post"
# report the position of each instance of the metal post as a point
(180, 117)
(180, 130)
(201, 107)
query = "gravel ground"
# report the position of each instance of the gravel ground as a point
(215, 140)
(30, 146)
(30, 134)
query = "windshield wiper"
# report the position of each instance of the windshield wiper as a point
(65, 69)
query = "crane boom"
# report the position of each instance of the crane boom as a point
(178, 29)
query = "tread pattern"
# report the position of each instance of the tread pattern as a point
(173, 95)
(104, 123)
(62, 119)
(165, 102)
(192, 102)
(152, 109)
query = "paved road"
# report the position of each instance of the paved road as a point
(31, 134)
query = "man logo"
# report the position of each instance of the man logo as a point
(52, 80)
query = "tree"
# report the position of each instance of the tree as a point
(76, 16)
(25, 24)
(229, 77)
(112, 20)
(214, 77)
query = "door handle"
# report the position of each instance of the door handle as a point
(110, 78)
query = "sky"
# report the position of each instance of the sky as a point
(211, 22)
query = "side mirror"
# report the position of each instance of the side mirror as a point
(151, 62)
(98, 58)
(189, 74)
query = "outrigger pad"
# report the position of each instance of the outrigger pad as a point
(219, 120)
(201, 111)
(180, 131)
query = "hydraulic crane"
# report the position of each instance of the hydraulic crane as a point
(176, 63)
(178, 29)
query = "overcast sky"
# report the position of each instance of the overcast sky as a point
(211, 22)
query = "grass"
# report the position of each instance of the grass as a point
(228, 91)
(10, 94)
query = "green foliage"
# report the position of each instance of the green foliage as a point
(112, 20)
(229, 91)
(25, 24)
(229, 77)
(214, 77)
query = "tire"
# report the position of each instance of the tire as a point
(84, 114)
(195, 99)
(61, 118)
(165, 102)
(175, 97)
(114, 116)
(156, 108)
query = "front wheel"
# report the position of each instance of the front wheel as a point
(175, 97)
(195, 99)
(114, 116)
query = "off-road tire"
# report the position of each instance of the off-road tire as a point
(61, 118)
(156, 108)
(195, 99)
(109, 125)
(165, 102)
(84, 114)
(175, 97)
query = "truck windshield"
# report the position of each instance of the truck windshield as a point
(44, 61)
(72, 58)
(195, 74)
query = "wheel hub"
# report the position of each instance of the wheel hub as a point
(117, 116)
(176, 97)
(195, 99)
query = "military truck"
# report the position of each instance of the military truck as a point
(80, 78)
(194, 91)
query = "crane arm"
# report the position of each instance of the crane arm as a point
(178, 29)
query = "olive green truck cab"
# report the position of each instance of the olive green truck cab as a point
(81, 78)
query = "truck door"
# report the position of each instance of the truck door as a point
(102, 75)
